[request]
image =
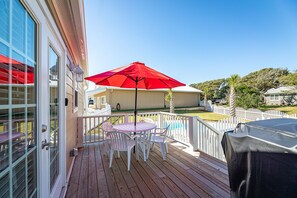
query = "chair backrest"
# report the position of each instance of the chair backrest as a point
(118, 140)
(106, 127)
(144, 136)
(163, 133)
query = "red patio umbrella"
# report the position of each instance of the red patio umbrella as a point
(135, 75)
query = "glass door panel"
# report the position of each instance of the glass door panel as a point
(54, 116)
(18, 172)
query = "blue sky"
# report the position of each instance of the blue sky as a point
(192, 40)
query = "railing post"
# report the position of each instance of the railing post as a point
(159, 120)
(193, 132)
(126, 118)
(80, 132)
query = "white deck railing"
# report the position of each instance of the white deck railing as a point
(188, 130)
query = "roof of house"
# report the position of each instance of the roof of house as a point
(280, 90)
(177, 89)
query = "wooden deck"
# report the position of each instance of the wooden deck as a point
(181, 175)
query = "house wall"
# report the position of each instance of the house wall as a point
(276, 101)
(72, 113)
(148, 99)
(97, 98)
(183, 99)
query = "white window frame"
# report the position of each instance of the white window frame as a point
(103, 100)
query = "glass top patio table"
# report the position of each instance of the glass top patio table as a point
(129, 127)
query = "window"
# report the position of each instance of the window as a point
(75, 98)
(103, 100)
(275, 97)
(271, 97)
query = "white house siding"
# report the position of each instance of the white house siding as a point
(186, 99)
(147, 99)
(276, 101)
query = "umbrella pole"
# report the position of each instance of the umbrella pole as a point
(135, 107)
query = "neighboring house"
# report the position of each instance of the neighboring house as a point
(123, 98)
(281, 96)
(43, 56)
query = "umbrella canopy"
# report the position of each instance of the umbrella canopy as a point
(135, 75)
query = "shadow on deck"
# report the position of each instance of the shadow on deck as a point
(183, 174)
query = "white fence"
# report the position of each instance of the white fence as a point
(252, 114)
(227, 124)
(209, 106)
(94, 112)
(186, 129)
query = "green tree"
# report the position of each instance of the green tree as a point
(289, 80)
(212, 85)
(264, 79)
(233, 82)
(169, 98)
(247, 97)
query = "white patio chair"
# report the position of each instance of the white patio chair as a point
(143, 140)
(160, 137)
(106, 127)
(120, 142)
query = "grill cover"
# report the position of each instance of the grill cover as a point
(262, 158)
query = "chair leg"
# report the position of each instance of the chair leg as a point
(148, 151)
(166, 145)
(129, 159)
(110, 157)
(163, 150)
(137, 151)
(143, 150)
(118, 154)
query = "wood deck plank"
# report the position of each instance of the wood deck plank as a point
(192, 176)
(171, 185)
(123, 188)
(111, 183)
(92, 170)
(147, 187)
(146, 170)
(181, 175)
(172, 175)
(101, 177)
(74, 177)
(196, 163)
(135, 192)
(212, 178)
(83, 184)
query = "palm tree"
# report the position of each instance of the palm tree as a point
(206, 94)
(169, 98)
(232, 82)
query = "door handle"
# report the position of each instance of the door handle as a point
(43, 128)
(45, 144)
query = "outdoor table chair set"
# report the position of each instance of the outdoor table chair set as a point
(125, 137)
